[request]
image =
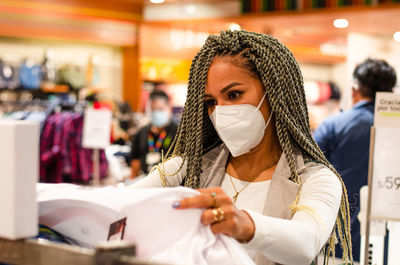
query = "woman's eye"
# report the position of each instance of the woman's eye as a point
(233, 95)
(210, 103)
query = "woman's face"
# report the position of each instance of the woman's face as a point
(228, 84)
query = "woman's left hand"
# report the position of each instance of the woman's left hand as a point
(220, 213)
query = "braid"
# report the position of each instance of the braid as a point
(280, 74)
(193, 118)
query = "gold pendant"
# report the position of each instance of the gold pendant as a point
(235, 197)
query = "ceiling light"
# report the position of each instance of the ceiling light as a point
(234, 27)
(157, 1)
(396, 36)
(190, 9)
(341, 23)
(288, 33)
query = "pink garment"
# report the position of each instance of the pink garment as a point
(62, 157)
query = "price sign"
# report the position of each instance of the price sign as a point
(387, 110)
(386, 174)
(389, 183)
(96, 128)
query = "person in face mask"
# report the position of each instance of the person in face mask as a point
(151, 140)
(244, 142)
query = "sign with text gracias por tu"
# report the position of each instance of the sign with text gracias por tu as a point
(386, 158)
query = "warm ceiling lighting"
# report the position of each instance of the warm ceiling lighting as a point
(190, 9)
(341, 23)
(234, 27)
(157, 1)
(396, 36)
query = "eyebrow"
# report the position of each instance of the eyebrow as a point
(225, 88)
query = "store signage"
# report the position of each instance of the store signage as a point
(387, 109)
(385, 202)
(96, 128)
(187, 39)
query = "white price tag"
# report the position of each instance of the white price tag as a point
(386, 174)
(96, 128)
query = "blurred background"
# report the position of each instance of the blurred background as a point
(116, 52)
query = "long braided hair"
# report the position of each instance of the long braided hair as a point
(283, 81)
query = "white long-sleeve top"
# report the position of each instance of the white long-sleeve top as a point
(297, 241)
(246, 199)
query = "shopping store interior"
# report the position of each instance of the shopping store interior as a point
(120, 51)
(59, 59)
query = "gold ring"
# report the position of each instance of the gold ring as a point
(219, 214)
(214, 197)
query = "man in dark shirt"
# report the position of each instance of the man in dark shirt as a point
(152, 140)
(344, 138)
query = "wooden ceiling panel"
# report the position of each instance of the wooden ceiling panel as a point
(116, 5)
(308, 29)
(318, 26)
(116, 9)
(96, 21)
(377, 20)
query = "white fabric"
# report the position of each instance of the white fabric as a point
(161, 233)
(246, 198)
(295, 241)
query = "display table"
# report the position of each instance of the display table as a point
(44, 252)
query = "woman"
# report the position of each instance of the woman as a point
(244, 140)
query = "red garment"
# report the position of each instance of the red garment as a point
(62, 157)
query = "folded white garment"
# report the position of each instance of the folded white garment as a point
(160, 232)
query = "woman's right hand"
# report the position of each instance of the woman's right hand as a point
(220, 213)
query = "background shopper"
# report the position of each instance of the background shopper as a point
(154, 139)
(344, 138)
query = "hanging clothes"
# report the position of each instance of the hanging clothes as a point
(8, 76)
(29, 75)
(62, 157)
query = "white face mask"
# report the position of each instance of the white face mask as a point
(159, 118)
(240, 127)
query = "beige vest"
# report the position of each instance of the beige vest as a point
(282, 191)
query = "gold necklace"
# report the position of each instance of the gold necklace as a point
(237, 192)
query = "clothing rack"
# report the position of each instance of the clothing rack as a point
(62, 155)
(44, 105)
(43, 252)
(35, 104)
